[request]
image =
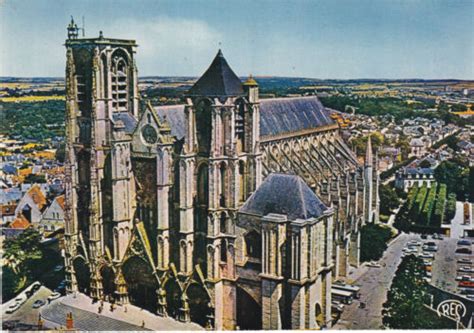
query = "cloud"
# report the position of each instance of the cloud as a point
(169, 46)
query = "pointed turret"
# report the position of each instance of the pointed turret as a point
(368, 153)
(219, 80)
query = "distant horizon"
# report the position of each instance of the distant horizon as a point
(257, 77)
(341, 39)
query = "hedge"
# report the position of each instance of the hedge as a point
(411, 197)
(419, 201)
(425, 216)
(438, 214)
(451, 206)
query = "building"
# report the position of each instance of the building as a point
(53, 216)
(178, 209)
(407, 177)
(31, 205)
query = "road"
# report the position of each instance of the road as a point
(26, 314)
(374, 284)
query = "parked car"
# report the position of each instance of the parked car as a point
(424, 236)
(466, 269)
(39, 303)
(464, 278)
(437, 236)
(463, 250)
(54, 296)
(464, 242)
(464, 261)
(430, 248)
(13, 307)
(427, 255)
(374, 264)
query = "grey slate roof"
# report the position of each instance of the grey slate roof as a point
(277, 116)
(286, 115)
(174, 116)
(419, 171)
(218, 80)
(284, 194)
(128, 120)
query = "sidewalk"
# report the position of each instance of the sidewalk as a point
(125, 317)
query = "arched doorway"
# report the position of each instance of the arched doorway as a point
(141, 283)
(198, 304)
(108, 277)
(173, 297)
(83, 274)
(249, 312)
(318, 312)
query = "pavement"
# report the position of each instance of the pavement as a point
(457, 225)
(374, 284)
(122, 318)
(26, 314)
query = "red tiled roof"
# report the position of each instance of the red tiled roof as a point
(20, 223)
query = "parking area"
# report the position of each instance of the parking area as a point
(26, 314)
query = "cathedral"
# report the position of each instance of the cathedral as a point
(228, 210)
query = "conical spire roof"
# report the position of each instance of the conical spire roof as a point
(218, 80)
(368, 153)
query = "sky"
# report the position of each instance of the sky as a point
(333, 39)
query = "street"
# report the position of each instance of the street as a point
(374, 284)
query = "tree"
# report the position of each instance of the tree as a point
(406, 299)
(373, 241)
(61, 153)
(388, 199)
(23, 253)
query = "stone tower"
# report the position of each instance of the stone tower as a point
(101, 95)
(219, 168)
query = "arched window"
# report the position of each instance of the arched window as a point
(240, 127)
(120, 81)
(242, 188)
(223, 222)
(222, 199)
(223, 250)
(203, 127)
(253, 243)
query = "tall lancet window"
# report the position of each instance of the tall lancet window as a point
(120, 82)
(240, 127)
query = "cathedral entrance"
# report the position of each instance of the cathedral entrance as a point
(83, 274)
(108, 284)
(198, 304)
(249, 312)
(173, 297)
(141, 284)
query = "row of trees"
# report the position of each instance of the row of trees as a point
(426, 207)
(407, 298)
(33, 120)
(458, 176)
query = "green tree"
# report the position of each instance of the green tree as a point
(406, 299)
(373, 241)
(388, 199)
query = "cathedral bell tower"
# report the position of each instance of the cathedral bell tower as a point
(101, 87)
(220, 166)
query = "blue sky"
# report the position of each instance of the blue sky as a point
(319, 39)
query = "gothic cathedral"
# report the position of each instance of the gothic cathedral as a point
(228, 210)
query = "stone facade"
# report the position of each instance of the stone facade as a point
(155, 198)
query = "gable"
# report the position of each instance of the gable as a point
(150, 132)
